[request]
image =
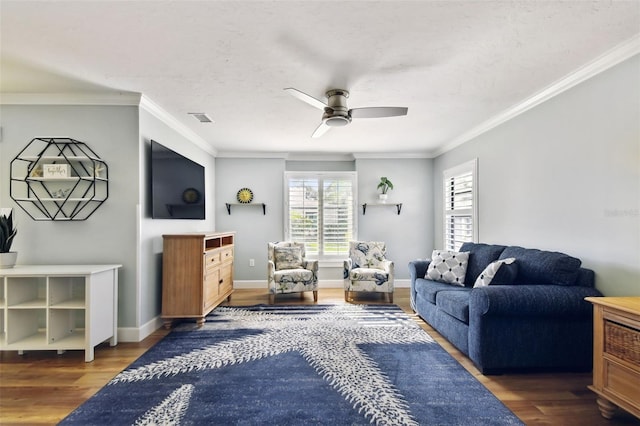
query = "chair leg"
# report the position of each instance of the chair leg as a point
(301, 295)
(390, 297)
(272, 298)
(315, 295)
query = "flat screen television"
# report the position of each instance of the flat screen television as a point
(177, 185)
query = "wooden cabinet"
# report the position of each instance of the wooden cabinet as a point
(58, 307)
(616, 354)
(197, 274)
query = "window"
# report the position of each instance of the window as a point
(460, 205)
(321, 212)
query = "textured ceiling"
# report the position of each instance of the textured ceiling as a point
(454, 64)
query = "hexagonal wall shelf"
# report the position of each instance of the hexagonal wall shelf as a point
(58, 179)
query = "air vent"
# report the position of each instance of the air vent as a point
(201, 117)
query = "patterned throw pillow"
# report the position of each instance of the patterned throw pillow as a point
(490, 273)
(288, 258)
(448, 267)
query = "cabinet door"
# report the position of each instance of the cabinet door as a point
(226, 278)
(211, 280)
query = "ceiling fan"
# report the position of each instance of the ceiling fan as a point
(336, 113)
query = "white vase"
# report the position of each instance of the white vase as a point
(8, 260)
(382, 198)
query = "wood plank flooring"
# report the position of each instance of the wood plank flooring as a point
(42, 387)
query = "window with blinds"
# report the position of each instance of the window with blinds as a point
(460, 206)
(321, 212)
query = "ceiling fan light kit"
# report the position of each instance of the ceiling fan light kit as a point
(337, 114)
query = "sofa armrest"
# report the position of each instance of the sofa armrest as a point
(530, 300)
(418, 268)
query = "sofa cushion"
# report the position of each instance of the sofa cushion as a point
(543, 267)
(429, 289)
(288, 258)
(480, 255)
(455, 303)
(499, 272)
(448, 267)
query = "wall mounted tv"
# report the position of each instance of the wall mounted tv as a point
(177, 185)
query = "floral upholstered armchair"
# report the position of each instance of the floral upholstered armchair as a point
(289, 272)
(367, 269)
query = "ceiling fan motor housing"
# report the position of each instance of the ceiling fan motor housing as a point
(336, 114)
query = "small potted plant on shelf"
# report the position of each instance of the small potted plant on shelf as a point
(7, 233)
(384, 185)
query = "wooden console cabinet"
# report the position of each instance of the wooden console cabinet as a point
(197, 274)
(616, 354)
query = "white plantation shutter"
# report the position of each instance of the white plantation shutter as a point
(321, 212)
(460, 206)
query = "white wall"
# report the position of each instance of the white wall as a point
(151, 230)
(408, 236)
(565, 176)
(109, 234)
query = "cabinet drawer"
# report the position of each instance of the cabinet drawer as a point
(226, 254)
(212, 259)
(622, 382)
(622, 342)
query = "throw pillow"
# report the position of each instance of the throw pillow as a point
(501, 271)
(448, 267)
(288, 258)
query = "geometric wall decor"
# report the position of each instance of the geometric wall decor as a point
(58, 179)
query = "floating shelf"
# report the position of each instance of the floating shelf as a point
(264, 206)
(398, 206)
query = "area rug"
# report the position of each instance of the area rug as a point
(292, 365)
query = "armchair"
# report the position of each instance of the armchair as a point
(367, 269)
(289, 272)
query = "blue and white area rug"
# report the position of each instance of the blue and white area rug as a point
(294, 365)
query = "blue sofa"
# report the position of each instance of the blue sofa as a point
(533, 318)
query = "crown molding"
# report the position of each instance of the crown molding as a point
(252, 154)
(613, 57)
(168, 119)
(390, 155)
(85, 98)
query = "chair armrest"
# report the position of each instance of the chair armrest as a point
(348, 264)
(311, 265)
(271, 268)
(388, 266)
(531, 300)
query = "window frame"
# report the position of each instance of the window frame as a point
(470, 167)
(321, 177)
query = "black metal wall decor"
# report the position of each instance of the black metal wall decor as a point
(58, 179)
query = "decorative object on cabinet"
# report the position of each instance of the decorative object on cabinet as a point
(58, 179)
(616, 354)
(197, 274)
(7, 234)
(365, 205)
(244, 196)
(58, 307)
(264, 206)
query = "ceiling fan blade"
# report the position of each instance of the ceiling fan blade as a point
(378, 112)
(306, 98)
(321, 130)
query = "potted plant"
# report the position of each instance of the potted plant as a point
(384, 185)
(7, 233)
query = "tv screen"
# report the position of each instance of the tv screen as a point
(177, 185)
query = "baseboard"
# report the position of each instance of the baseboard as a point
(133, 334)
(253, 284)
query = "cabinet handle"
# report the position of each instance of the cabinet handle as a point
(221, 281)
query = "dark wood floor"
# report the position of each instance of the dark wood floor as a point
(42, 387)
